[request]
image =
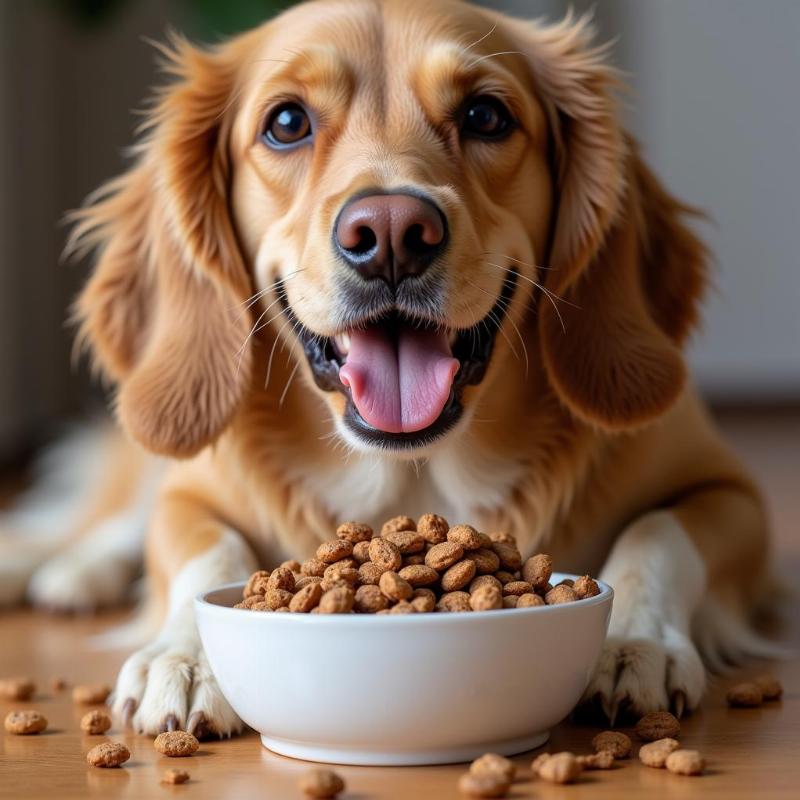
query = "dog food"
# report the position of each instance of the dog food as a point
(602, 760)
(108, 754)
(771, 688)
(686, 762)
(493, 764)
(657, 725)
(175, 776)
(557, 768)
(91, 694)
(322, 783)
(614, 742)
(17, 689)
(410, 568)
(176, 744)
(25, 723)
(95, 723)
(654, 754)
(484, 785)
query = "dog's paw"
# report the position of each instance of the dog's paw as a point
(647, 674)
(169, 686)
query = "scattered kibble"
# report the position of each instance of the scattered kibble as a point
(322, 783)
(25, 723)
(557, 768)
(771, 687)
(176, 744)
(602, 760)
(175, 776)
(655, 754)
(95, 723)
(17, 688)
(658, 725)
(686, 762)
(745, 695)
(483, 785)
(108, 754)
(614, 742)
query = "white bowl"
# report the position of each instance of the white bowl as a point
(405, 689)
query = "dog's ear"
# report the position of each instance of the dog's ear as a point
(162, 311)
(627, 270)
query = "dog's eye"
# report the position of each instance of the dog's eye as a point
(486, 117)
(287, 125)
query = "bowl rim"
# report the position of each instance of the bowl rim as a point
(201, 601)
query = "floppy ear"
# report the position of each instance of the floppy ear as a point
(629, 271)
(162, 309)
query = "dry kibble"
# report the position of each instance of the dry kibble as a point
(256, 583)
(423, 603)
(403, 607)
(419, 575)
(412, 559)
(385, 554)
(485, 580)
(314, 567)
(504, 577)
(454, 601)
(511, 601)
(91, 694)
(332, 551)
(602, 760)
(306, 598)
(338, 600)
(493, 764)
(369, 574)
(275, 599)
(407, 542)
(432, 528)
(291, 564)
(528, 601)
(654, 754)
(615, 742)
(502, 536)
(176, 744)
(458, 576)
(401, 523)
(483, 785)
(369, 600)
(486, 561)
(585, 587)
(394, 587)
(175, 776)
(280, 578)
(518, 588)
(95, 723)
(771, 688)
(323, 783)
(560, 594)
(25, 723)
(465, 536)
(306, 580)
(745, 695)
(339, 575)
(560, 768)
(658, 725)
(443, 555)
(686, 762)
(486, 598)
(537, 570)
(509, 555)
(354, 532)
(361, 552)
(17, 688)
(108, 754)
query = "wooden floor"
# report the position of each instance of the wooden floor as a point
(751, 753)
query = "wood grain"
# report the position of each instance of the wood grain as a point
(751, 752)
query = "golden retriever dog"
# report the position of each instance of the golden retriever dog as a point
(383, 257)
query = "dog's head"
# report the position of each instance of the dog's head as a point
(422, 198)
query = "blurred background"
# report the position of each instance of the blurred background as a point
(714, 102)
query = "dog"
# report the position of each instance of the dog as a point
(395, 257)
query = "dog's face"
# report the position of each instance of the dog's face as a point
(428, 201)
(392, 185)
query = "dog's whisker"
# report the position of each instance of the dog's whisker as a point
(483, 38)
(272, 353)
(288, 384)
(519, 261)
(494, 55)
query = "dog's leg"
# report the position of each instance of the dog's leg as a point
(168, 684)
(661, 568)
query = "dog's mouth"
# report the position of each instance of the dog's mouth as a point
(402, 375)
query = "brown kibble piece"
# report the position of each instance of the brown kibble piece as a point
(486, 598)
(335, 550)
(537, 570)
(560, 768)
(369, 573)
(458, 576)
(339, 574)
(338, 600)
(361, 552)
(176, 744)
(560, 594)
(175, 776)
(483, 785)
(108, 754)
(771, 687)
(401, 523)
(314, 567)
(394, 587)
(276, 598)
(585, 587)
(504, 576)
(354, 532)
(529, 601)
(423, 603)
(509, 555)
(292, 564)
(419, 575)
(518, 588)
(91, 694)
(369, 600)
(323, 783)
(686, 762)
(403, 607)
(658, 725)
(407, 542)
(413, 559)
(486, 561)
(454, 601)
(256, 583)
(502, 536)
(485, 580)
(654, 754)
(616, 742)
(306, 598)
(510, 601)
(385, 554)
(95, 723)
(493, 764)
(745, 695)
(280, 578)
(25, 723)
(443, 555)
(17, 688)
(602, 760)
(306, 580)
(465, 536)
(432, 528)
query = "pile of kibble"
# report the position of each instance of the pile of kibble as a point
(412, 567)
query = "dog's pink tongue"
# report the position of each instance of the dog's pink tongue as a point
(399, 385)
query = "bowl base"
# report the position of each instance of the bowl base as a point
(394, 758)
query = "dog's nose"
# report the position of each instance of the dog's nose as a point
(390, 236)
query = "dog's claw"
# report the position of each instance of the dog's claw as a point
(679, 703)
(170, 723)
(196, 724)
(128, 710)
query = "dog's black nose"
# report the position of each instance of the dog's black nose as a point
(390, 236)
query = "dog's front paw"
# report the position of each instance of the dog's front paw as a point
(169, 686)
(647, 674)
